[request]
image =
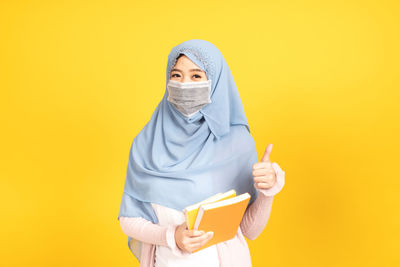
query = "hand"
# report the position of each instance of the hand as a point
(263, 173)
(190, 240)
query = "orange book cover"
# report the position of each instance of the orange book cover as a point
(222, 217)
(191, 211)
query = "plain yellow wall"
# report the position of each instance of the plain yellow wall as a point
(318, 79)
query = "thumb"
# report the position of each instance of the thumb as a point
(267, 152)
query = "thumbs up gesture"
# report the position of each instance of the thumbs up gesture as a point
(263, 173)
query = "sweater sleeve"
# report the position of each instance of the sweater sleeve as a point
(257, 214)
(149, 232)
(144, 230)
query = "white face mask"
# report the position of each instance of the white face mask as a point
(189, 97)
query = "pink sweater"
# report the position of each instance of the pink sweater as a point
(231, 253)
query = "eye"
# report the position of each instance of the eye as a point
(173, 75)
(198, 76)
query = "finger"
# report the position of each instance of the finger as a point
(199, 238)
(209, 237)
(191, 233)
(261, 172)
(267, 173)
(263, 179)
(263, 185)
(202, 242)
(267, 153)
(262, 165)
(268, 176)
(260, 185)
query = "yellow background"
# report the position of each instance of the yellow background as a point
(318, 79)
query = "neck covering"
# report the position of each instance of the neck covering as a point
(176, 161)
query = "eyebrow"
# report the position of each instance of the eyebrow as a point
(189, 70)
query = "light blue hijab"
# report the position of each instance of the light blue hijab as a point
(176, 161)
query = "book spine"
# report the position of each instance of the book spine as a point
(186, 219)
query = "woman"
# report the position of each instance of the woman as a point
(196, 144)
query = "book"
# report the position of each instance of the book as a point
(191, 211)
(220, 214)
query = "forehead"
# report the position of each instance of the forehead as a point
(184, 62)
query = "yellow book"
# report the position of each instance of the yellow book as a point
(191, 211)
(222, 217)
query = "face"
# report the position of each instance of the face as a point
(186, 71)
